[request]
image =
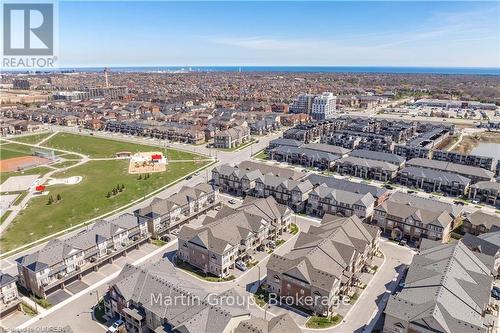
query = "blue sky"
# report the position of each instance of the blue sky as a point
(396, 33)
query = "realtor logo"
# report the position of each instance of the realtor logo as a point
(28, 29)
(28, 34)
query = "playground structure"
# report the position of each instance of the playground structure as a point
(147, 162)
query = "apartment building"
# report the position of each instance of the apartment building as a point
(485, 162)
(324, 106)
(480, 222)
(62, 261)
(325, 200)
(232, 137)
(367, 168)
(475, 174)
(431, 180)
(447, 290)
(164, 215)
(324, 263)
(215, 247)
(302, 104)
(487, 192)
(157, 299)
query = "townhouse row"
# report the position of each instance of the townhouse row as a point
(63, 261)
(158, 299)
(324, 263)
(233, 235)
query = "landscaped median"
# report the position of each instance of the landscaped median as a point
(316, 322)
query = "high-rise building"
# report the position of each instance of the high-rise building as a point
(320, 107)
(302, 104)
(324, 106)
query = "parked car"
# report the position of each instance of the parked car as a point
(271, 244)
(175, 232)
(403, 242)
(232, 201)
(410, 191)
(495, 294)
(241, 265)
(188, 177)
(460, 203)
(117, 326)
(475, 202)
(495, 288)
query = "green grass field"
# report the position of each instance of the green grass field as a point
(87, 199)
(33, 139)
(96, 147)
(11, 150)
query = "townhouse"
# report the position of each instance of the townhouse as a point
(479, 222)
(412, 223)
(283, 323)
(422, 145)
(485, 162)
(431, 180)
(379, 193)
(218, 244)
(241, 179)
(9, 296)
(232, 137)
(475, 174)
(325, 200)
(278, 215)
(286, 191)
(324, 263)
(447, 290)
(379, 156)
(316, 157)
(62, 261)
(157, 299)
(487, 192)
(164, 215)
(367, 168)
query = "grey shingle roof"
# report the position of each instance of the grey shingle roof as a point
(447, 286)
(465, 170)
(6, 279)
(342, 184)
(283, 323)
(377, 155)
(481, 218)
(189, 310)
(426, 203)
(444, 177)
(57, 250)
(369, 163)
(320, 256)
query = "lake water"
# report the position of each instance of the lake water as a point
(487, 149)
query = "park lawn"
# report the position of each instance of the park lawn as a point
(11, 150)
(86, 199)
(41, 170)
(32, 139)
(64, 164)
(96, 147)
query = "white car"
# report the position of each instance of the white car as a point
(241, 265)
(116, 326)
